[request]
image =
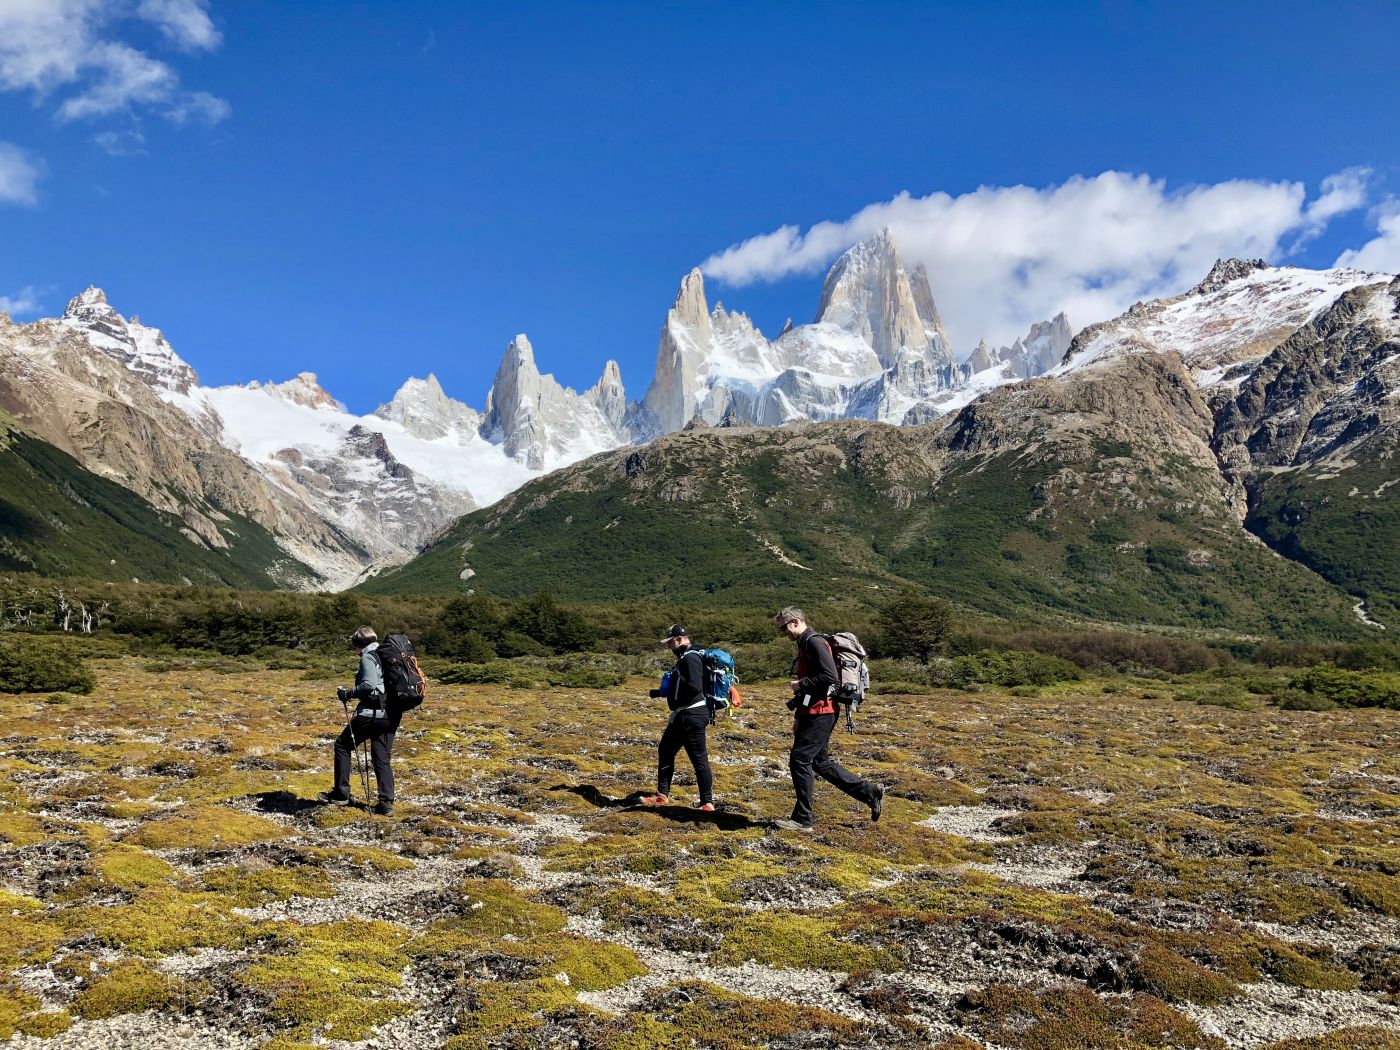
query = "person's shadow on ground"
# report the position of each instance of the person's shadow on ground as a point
(721, 818)
(286, 803)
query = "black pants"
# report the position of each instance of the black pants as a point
(811, 754)
(380, 733)
(686, 730)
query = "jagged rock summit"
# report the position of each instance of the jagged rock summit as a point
(536, 420)
(869, 293)
(876, 350)
(142, 349)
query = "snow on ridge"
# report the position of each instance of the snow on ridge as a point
(1235, 324)
(258, 425)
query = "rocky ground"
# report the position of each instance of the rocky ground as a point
(1088, 867)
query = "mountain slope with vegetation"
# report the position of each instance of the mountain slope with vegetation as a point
(58, 519)
(1095, 496)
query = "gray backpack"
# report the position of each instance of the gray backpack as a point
(852, 676)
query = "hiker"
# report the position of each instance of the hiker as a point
(372, 721)
(814, 717)
(690, 717)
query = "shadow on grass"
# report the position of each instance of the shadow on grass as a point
(287, 804)
(721, 818)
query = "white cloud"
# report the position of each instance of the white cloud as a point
(1381, 253)
(73, 49)
(23, 302)
(18, 175)
(128, 143)
(1002, 257)
(185, 23)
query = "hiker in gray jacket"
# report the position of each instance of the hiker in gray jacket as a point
(371, 721)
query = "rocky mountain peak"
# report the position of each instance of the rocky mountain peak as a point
(86, 300)
(690, 309)
(303, 389)
(142, 349)
(870, 293)
(423, 408)
(538, 421)
(609, 396)
(1226, 270)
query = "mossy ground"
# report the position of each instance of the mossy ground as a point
(1141, 862)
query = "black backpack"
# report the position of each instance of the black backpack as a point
(404, 682)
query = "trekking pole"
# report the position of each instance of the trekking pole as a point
(363, 752)
(360, 760)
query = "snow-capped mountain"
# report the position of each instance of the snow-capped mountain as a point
(1225, 325)
(544, 425)
(113, 392)
(877, 350)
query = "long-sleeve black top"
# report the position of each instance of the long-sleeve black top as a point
(816, 662)
(688, 679)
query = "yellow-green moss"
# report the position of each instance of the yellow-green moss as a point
(488, 908)
(161, 921)
(1366, 1038)
(28, 940)
(335, 978)
(1071, 1017)
(250, 887)
(128, 988)
(789, 940)
(21, 829)
(206, 827)
(45, 1024)
(134, 869)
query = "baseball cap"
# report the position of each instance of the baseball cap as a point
(676, 631)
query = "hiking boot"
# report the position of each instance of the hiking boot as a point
(384, 809)
(652, 800)
(877, 804)
(788, 824)
(334, 797)
(706, 807)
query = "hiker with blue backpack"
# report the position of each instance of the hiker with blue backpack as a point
(691, 715)
(814, 704)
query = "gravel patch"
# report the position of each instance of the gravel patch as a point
(1268, 1012)
(144, 1031)
(969, 822)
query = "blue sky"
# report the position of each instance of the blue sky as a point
(371, 190)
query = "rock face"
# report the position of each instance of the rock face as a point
(143, 350)
(112, 398)
(425, 411)
(1226, 324)
(543, 424)
(869, 293)
(877, 350)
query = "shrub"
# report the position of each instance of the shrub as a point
(1297, 700)
(30, 664)
(1350, 688)
(913, 625)
(1217, 694)
(1003, 668)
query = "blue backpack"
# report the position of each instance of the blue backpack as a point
(719, 679)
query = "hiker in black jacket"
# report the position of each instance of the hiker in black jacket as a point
(814, 717)
(690, 717)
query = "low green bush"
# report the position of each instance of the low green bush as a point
(1350, 688)
(1005, 668)
(585, 672)
(1217, 694)
(1298, 700)
(30, 664)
